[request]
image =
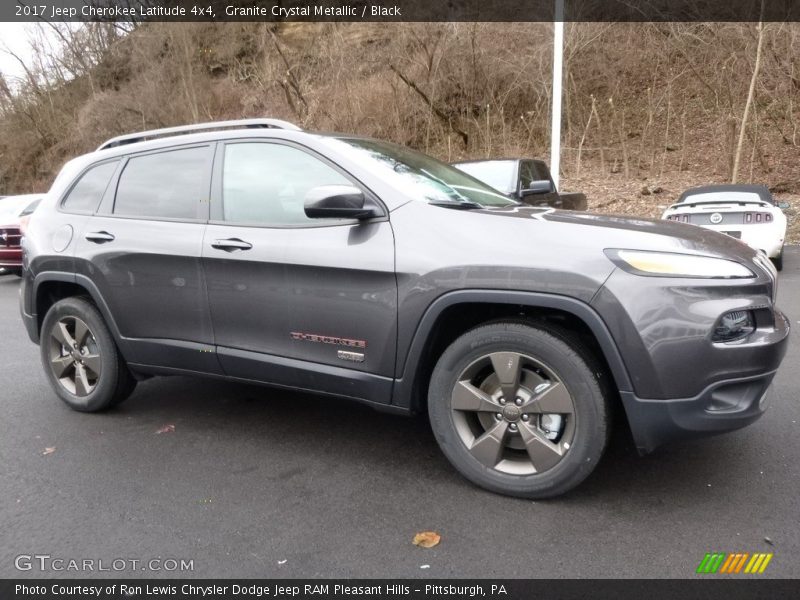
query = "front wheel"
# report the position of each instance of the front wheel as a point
(80, 358)
(518, 409)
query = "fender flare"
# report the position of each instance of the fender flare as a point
(87, 284)
(404, 384)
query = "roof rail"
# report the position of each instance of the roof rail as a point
(169, 131)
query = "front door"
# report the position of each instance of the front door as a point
(306, 303)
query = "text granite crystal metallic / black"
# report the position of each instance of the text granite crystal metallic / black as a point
(255, 251)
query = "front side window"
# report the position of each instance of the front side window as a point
(264, 183)
(86, 195)
(166, 185)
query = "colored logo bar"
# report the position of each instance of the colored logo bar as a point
(734, 562)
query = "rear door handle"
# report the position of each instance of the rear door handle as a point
(99, 237)
(231, 244)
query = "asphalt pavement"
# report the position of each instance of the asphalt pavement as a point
(256, 482)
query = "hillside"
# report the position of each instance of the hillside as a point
(650, 109)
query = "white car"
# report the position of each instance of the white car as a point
(746, 212)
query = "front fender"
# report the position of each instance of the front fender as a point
(403, 391)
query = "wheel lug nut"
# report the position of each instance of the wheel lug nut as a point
(518, 401)
(498, 416)
(526, 417)
(513, 427)
(502, 400)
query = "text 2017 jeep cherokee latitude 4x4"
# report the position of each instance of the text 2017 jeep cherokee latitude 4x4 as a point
(353, 267)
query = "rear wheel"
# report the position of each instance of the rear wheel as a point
(81, 359)
(518, 409)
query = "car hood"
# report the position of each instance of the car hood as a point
(616, 231)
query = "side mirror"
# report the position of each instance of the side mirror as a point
(784, 205)
(337, 202)
(538, 187)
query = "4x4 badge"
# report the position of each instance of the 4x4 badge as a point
(351, 356)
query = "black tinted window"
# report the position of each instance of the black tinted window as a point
(268, 183)
(164, 185)
(87, 193)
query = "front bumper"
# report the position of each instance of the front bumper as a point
(723, 406)
(684, 384)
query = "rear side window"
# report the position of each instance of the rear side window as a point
(166, 185)
(85, 195)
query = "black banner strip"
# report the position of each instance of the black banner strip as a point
(732, 588)
(399, 10)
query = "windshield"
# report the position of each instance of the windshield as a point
(420, 176)
(500, 174)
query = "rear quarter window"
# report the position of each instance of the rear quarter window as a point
(86, 194)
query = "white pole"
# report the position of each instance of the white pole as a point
(558, 68)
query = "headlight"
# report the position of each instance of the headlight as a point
(671, 264)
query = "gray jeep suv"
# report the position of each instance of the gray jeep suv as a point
(254, 251)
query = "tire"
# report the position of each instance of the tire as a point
(557, 377)
(91, 375)
(778, 261)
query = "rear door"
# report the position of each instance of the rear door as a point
(141, 251)
(309, 303)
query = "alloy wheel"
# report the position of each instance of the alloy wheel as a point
(513, 413)
(75, 356)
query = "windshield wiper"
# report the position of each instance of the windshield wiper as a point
(465, 205)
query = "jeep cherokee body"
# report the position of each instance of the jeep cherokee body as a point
(358, 268)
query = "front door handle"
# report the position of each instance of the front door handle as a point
(231, 245)
(99, 237)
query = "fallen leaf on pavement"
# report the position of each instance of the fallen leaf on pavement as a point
(166, 429)
(427, 539)
(48, 451)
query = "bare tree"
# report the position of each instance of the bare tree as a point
(750, 94)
